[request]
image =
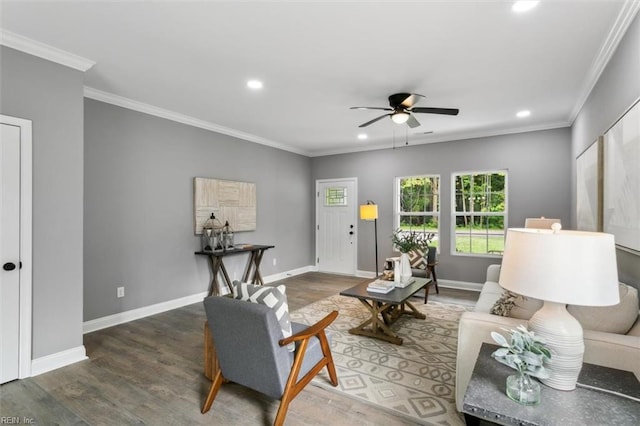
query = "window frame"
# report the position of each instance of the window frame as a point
(396, 203)
(455, 214)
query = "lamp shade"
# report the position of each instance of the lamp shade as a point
(369, 211)
(571, 267)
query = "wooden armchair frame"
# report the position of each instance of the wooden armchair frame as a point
(293, 386)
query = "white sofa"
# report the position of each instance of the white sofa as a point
(621, 351)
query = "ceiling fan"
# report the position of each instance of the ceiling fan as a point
(401, 107)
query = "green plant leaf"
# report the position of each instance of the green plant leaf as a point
(499, 339)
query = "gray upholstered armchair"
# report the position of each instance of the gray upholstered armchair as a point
(252, 352)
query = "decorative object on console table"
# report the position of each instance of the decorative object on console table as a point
(561, 267)
(369, 211)
(211, 233)
(406, 241)
(526, 353)
(227, 236)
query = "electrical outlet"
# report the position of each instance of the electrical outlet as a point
(275, 261)
(120, 292)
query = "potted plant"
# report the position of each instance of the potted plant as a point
(406, 241)
(526, 353)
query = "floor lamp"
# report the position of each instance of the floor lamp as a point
(369, 211)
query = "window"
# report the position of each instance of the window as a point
(336, 196)
(479, 212)
(417, 204)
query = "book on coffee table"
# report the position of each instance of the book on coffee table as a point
(405, 282)
(380, 286)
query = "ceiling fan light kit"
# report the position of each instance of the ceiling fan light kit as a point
(400, 117)
(401, 109)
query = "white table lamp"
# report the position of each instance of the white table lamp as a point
(560, 268)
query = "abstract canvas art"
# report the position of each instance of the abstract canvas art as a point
(589, 188)
(621, 211)
(229, 200)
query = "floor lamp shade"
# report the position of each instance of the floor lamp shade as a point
(369, 211)
(560, 268)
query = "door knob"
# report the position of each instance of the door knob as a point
(9, 266)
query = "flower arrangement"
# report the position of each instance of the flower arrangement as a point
(525, 352)
(406, 241)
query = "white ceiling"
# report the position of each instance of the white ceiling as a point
(191, 60)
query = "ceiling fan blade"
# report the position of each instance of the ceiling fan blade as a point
(404, 100)
(379, 108)
(428, 110)
(412, 122)
(411, 100)
(374, 120)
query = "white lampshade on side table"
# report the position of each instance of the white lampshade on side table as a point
(560, 268)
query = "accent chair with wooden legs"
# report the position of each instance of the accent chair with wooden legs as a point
(251, 351)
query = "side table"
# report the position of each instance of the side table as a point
(486, 399)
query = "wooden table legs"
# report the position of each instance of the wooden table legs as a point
(217, 266)
(252, 270)
(254, 264)
(382, 316)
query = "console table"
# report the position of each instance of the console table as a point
(217, 265)
(485, 398)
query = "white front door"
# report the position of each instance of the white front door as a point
(15, 297)
(336, 213)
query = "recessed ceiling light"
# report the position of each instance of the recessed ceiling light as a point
(523, 113)
(254, 84)
(362, 136)
(524, 5)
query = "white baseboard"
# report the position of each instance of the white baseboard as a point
(57, 360)
(134, 314)
(460, 285)
(288, 274)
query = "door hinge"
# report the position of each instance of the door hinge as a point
(318, 260)
(318, 227)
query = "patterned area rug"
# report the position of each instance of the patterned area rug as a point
(415, 380)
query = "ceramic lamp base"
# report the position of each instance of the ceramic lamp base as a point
(563, 335)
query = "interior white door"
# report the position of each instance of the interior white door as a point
(9, 252)
(336, 212)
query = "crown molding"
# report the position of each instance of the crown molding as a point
(44, 51)
(123, 102)
(452, 137)
(623, 21)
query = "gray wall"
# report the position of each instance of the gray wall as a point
(538, 179)
(615, 92)
(51, 96)
(138, 231)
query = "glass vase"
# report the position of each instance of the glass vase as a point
(523, 389)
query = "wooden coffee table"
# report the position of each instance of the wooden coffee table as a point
(385, 309)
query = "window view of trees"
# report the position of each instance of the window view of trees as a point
(480, 212)
(419, 204)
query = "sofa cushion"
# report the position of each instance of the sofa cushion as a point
(610, 319)
(273, 297)
(490, 292)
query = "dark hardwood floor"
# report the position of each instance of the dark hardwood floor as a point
(149, 372)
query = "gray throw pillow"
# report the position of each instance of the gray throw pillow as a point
(273, 297)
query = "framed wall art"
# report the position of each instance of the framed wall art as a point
(589, 187)
(621, 212)
(229, 200)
